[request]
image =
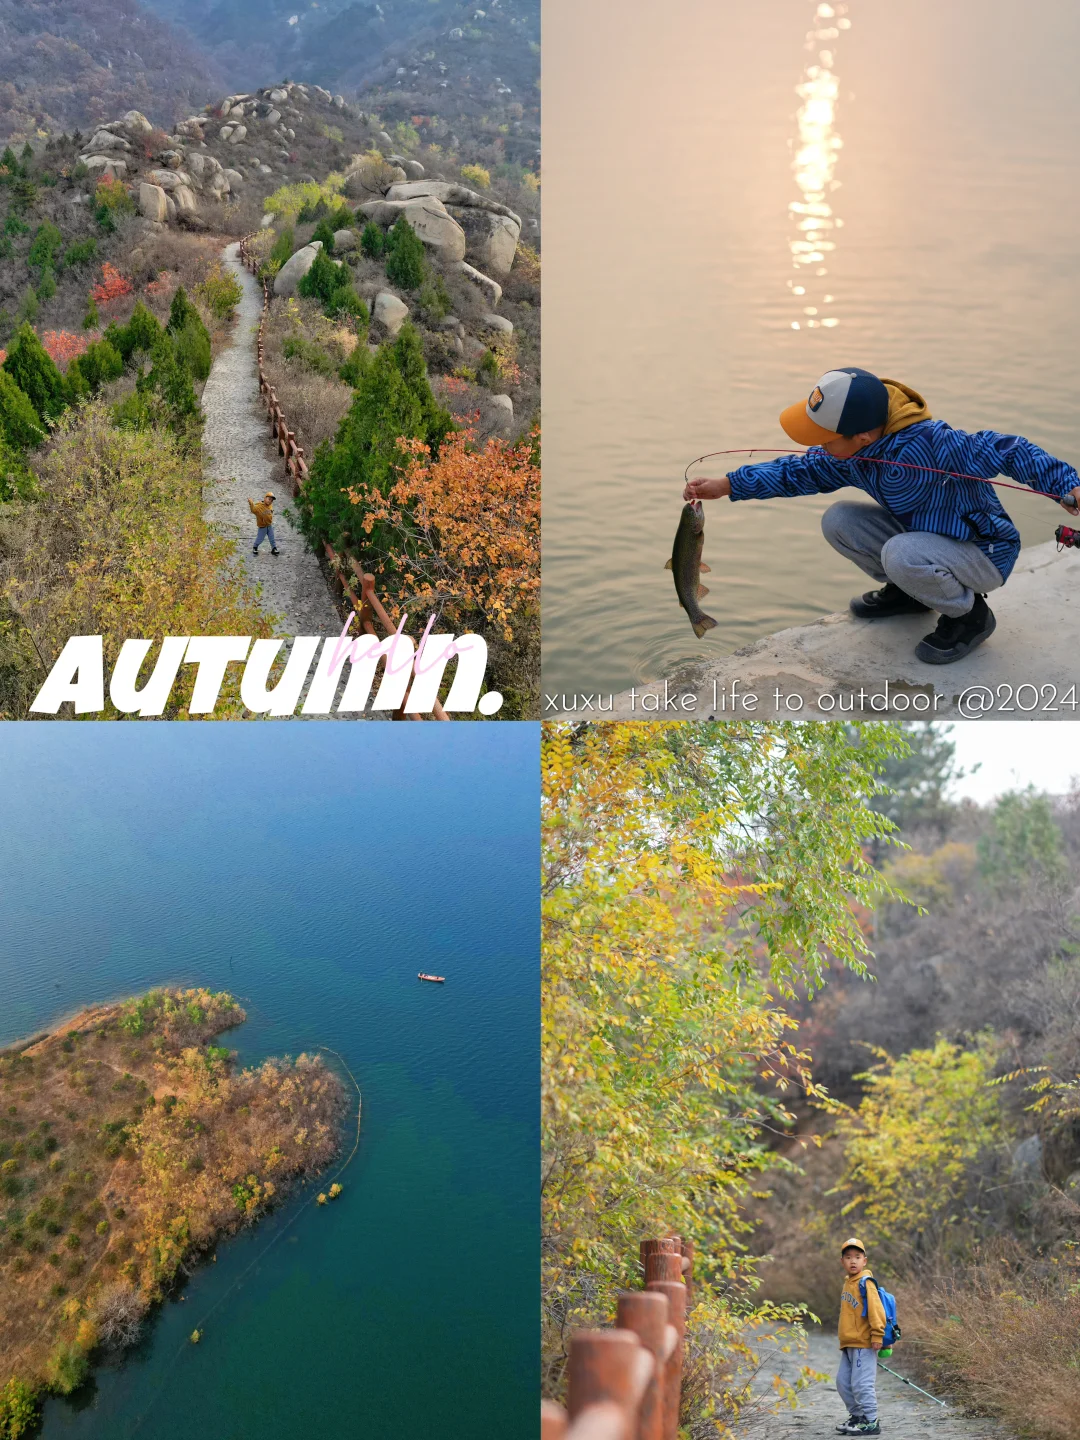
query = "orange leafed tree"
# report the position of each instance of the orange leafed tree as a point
(466, 527)
(63, 345)
(113, 285)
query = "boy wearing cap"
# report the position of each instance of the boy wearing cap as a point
(936, 542)
(263, 510)
(861, 1337)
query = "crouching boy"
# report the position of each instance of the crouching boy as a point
(861, 1337)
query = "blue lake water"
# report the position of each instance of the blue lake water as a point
(312, 871)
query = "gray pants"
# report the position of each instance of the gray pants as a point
(265, 531)
(856, 1382)
(944, 574)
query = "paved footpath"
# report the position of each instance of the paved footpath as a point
(241, 463)
(904, 1413)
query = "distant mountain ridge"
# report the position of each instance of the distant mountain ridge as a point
(69, 63)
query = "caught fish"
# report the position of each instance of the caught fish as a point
(685, 564)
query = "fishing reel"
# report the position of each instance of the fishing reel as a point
(1067, 538)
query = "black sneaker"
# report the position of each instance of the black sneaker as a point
(863, 1426)
(889, 600)
(956, 636)
(275, 552)
(844, 1428)
(254, 550)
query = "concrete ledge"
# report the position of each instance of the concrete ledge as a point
(839, 667)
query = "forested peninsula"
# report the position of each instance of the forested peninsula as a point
(129, 1145)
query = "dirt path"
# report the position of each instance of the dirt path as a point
(241, 464)
(904, 1414)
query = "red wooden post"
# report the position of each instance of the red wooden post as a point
(552, 1421)
(601, 1367)
(675, 1291)
(646, 1314)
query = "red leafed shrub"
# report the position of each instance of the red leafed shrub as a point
(113, 286)
(63, 346)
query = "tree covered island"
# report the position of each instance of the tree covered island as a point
(129, 1145)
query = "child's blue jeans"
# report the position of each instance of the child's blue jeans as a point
(856, 1382)
(264, 531)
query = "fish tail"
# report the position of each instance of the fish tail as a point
(705, 623)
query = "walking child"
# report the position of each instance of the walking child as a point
(861, 1335)
(934, 541)
(263, 510)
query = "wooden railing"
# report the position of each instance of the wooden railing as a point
(626, 1383)
(348, 573)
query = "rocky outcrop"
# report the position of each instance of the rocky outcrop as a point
(491, 240)
(106, 140)
(105, 165)
(491, 289)
(429, 218)
(450, 193)
(136, 123)
(497, 322)
(389, 312)
(152, 202)
(295, 268)
(344, 240)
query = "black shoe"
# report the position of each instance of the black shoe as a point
(889, 600)
(844, 1427)
(956, 636)
(863, 1426)
(275, 552)
(254, 550)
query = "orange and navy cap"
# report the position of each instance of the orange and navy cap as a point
(853, 1244)
(843, 402)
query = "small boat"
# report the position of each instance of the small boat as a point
(435, 979)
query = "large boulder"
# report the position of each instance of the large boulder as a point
(202, 165)
(274, 117)
(137, 123)
(235, 179)
(344, 240)
(491, 240)
(106, 140)
(429, 218)
(152, 202)
(295, 268)
(389, 312)
(184, 198)
(169, 180)
(450, 193)
(217, 185)
(498, 322)
(240, 133)
(106, 164)
(491, 289)
(279, 96)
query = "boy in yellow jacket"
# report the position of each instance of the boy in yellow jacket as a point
(263, 510)
(861, 1337)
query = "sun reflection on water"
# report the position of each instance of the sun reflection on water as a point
(816, 151)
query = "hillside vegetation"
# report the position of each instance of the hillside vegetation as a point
(129, 1146)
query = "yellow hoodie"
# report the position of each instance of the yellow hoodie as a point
(906, 407)
(856, 1331)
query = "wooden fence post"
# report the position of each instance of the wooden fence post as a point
(675, 1291)
(646, 1314)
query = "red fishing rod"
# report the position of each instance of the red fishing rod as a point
(1066, 537)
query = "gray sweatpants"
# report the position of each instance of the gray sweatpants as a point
(944, 574)
(856, 1382)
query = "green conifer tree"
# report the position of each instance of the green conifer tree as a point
(405, 264)
(19, 421)
(34, 371)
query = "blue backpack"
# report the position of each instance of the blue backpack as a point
(888, 1303)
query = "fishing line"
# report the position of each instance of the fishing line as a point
(875, 460)
(906, 1381)
(181, 1349)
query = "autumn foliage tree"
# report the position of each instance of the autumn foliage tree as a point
(112, 286)
(693, 875)
(467, 523)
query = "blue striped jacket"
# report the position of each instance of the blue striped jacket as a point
(961, 509)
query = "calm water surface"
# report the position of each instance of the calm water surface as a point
(312, 871)
(738, 197)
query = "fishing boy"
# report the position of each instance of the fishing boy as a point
(861, 1337)
(937, 541)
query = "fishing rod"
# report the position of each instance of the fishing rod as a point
(1067, 538)
(906, 1381)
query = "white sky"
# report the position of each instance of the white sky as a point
(1014, 754)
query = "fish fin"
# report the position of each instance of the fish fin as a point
(706, 568)
(667, 564)
(705, 623)
(701, 590)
